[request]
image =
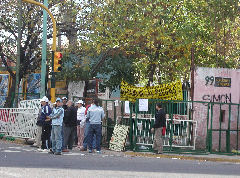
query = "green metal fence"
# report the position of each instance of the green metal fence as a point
(218, 122)
(223, 127)
(179, 130)
(182, 129)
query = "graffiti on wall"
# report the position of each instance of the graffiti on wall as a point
(4, 78)
(225, 98)
(33, 85)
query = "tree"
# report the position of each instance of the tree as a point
(159, 35)
(30, 55)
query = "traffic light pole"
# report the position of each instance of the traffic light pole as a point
(54, 42)
(53, 91)
(44, 52)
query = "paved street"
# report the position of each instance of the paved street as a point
(25, 161)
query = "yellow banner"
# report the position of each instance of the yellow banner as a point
(170, 91)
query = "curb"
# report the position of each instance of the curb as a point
(13, 140)
(181, 157)
(149, 155)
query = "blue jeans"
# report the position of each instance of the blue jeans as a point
(86, 136)
(62, 136)
(56, 138)
(95, 129)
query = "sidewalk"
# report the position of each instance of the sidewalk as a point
(191, 156)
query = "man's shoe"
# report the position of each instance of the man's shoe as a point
(58, 153)
(51, 152)
(90, 151)
(99, 152)
(34, 145)
(65, 150)
(83, 149)
(45, 150)
(40, 150)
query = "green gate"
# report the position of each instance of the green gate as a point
(223, 127)
(180, 130)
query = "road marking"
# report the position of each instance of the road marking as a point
(13, 147)
(11, 151)
(73, 154)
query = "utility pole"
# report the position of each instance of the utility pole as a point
(44, 52)
(18, 51)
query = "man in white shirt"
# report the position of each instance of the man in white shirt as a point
(81, 119)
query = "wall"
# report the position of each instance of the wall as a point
(216, 85)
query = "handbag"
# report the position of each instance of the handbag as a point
(163, 131)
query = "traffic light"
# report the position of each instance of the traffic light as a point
(57, 61)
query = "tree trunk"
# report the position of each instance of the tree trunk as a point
(151, 70)
(10, 96)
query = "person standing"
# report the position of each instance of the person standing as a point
(64, 103)
(64, 106)
(46, 124)
(39, 131)
(95, 114)
(70, 123)
(160, 122)
(57, 120)
(81, 119)
(86, 131)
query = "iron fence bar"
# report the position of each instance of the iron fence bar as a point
(131, 127)
(210, 147)
(238, 125)
(207, 137)
(135, 127)
(220, 125)
(229, 126)
(171, 126)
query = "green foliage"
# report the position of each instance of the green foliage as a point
(75, 66)
(114, 69)
(159, 35)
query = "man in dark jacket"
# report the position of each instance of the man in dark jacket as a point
(70, 122)
(64, 106)
(160, 122)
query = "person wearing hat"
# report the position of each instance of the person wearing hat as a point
(46, 124)
(64, 102)
(56, 134)
(81, 118)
